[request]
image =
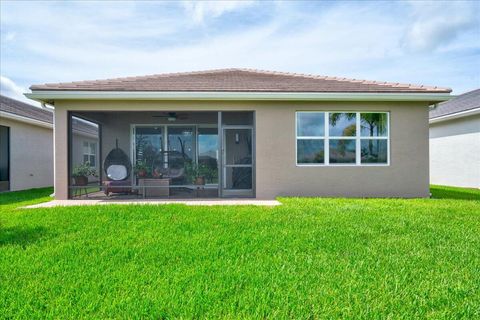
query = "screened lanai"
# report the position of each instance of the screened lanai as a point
(162, 154)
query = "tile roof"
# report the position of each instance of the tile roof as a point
(25, 110)
(463, 102)
(239, 80)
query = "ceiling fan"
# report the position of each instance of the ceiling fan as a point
(171, 116)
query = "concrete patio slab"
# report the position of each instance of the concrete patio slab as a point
(192, 202)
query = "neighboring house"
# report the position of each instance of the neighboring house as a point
(248, 133)
(26, 152)
(26, 145)
(455, 141)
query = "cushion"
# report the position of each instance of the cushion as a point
(117, 172)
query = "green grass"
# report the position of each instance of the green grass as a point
(309, 258)
(445, 192)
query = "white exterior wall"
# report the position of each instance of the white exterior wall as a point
(455, 152)
(31, 155)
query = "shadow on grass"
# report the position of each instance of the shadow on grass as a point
(21, 236)
(444, 192)
(7, 198)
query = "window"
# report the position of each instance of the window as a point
(310, 137)
(182, 141)
(342, 138)
(374, 137)
(89, 153)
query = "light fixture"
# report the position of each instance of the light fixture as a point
(237, 138)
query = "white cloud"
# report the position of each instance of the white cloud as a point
(438, 23)
(10, 36)
(200, 10)
(12, 90)
(361, 40)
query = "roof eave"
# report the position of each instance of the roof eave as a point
(49, 96)
(455, 115)
(16, 117)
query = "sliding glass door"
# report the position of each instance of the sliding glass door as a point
(148, 144)
(181, 141)
(185, 155)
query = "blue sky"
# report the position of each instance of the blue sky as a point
(433, 43)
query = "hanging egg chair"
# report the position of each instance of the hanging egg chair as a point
(117, 165)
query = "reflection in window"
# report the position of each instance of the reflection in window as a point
(342, 124)
(310, 124)
(374, 150)
(181, 139)
(310, 151)
(373, 124)
(342, 138)
(148, 145)
(342, 151)
(208, 153)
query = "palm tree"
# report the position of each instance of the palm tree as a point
(348, 131)
(335, 117)
(372, 121)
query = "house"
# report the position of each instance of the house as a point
(26, 145)
(246, 133)
(455, 141)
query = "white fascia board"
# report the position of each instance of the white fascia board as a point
(11, 116)
(45, 96)
(456, 115)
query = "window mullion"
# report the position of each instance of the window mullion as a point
(358, 155)
(326, 142)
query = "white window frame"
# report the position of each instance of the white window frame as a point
(326, 140)
(89, 153)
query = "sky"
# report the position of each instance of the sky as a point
(431, 43)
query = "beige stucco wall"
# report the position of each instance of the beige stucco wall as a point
(276, 171)
(455, 152)
(31, 155)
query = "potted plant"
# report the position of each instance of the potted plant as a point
(157, 173)
(81, 173)
(194, 174)
(199, 180)
(209, 172)
(141, 169)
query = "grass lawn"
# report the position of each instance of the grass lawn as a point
(309, 258)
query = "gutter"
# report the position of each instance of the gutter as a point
(456, 115)
(48, 96)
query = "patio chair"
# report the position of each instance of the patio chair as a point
(117, 168)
